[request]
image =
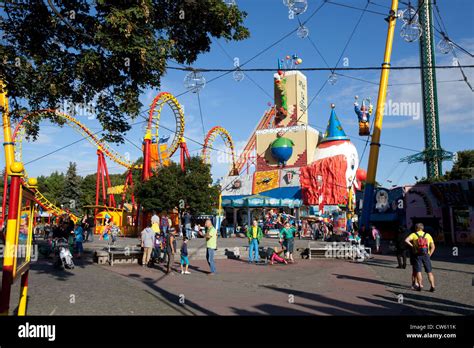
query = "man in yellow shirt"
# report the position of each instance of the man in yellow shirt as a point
(211, 245)
(254, 235)
(423, 247)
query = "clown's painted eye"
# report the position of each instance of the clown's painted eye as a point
(353, 161)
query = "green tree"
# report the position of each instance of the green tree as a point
(103, 54)
(88, 185)
(71, 195)
(52, 187)
(463, 168)
(169, 185)
(199, 194)
(163, 190)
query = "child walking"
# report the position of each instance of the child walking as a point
(184, 256)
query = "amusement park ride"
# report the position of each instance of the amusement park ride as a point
(22, 196)
(283, 149)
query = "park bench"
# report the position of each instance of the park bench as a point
(343, 250)
(101, 257)
(122, 256)
(117, 256)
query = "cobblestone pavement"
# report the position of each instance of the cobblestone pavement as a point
(309, 287)
(88, 289)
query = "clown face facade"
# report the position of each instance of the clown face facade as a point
(327, 180)
(345, 149)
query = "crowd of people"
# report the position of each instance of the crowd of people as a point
(64, 228)
(159, 241)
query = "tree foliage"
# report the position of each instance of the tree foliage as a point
(200, 196)
(71, 194)
(52, 187)
(463, 168)
(103, 53)
(169, 185)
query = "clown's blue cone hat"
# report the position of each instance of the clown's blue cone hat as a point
(334, 130)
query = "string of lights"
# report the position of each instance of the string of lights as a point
(411, 67)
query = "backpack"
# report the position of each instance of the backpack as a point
(422, 245)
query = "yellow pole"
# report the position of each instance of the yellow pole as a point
(382, 96)
(23, 294)
(9, 259)
(220, 203)
(350, 205)
(22, 303)
(7, 133)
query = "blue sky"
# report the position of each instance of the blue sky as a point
(238, 106)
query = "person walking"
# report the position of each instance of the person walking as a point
(79, 238)
(287, 238)
(170, 249)
(401, 247)
(211, 245)
(155, 223)
(223, 228)
(164, 224)
(147, 242)
(376, 237)
(88, 226)
(114, 232)
(423, 247)
(155, 219)
(156, 253)
(254, 235)
(355, 223)
(162, 248)
(349, 226)
(184, 257)
(187, 225)
(196, 230)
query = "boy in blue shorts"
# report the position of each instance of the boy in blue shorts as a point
(184, 256)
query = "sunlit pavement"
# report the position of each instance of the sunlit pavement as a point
(309, 287)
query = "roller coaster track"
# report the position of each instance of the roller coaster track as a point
(47, 205)
(77, 126)
(19, 134)
(153, 127)
(245, 155)
(162, 99)
(209, 140)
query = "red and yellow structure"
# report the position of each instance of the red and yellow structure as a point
(209, 141)
(154, 153)
(20, 220)
(22, 195)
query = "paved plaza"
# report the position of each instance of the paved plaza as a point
(309, 287)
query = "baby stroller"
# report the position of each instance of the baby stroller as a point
(63, 254)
